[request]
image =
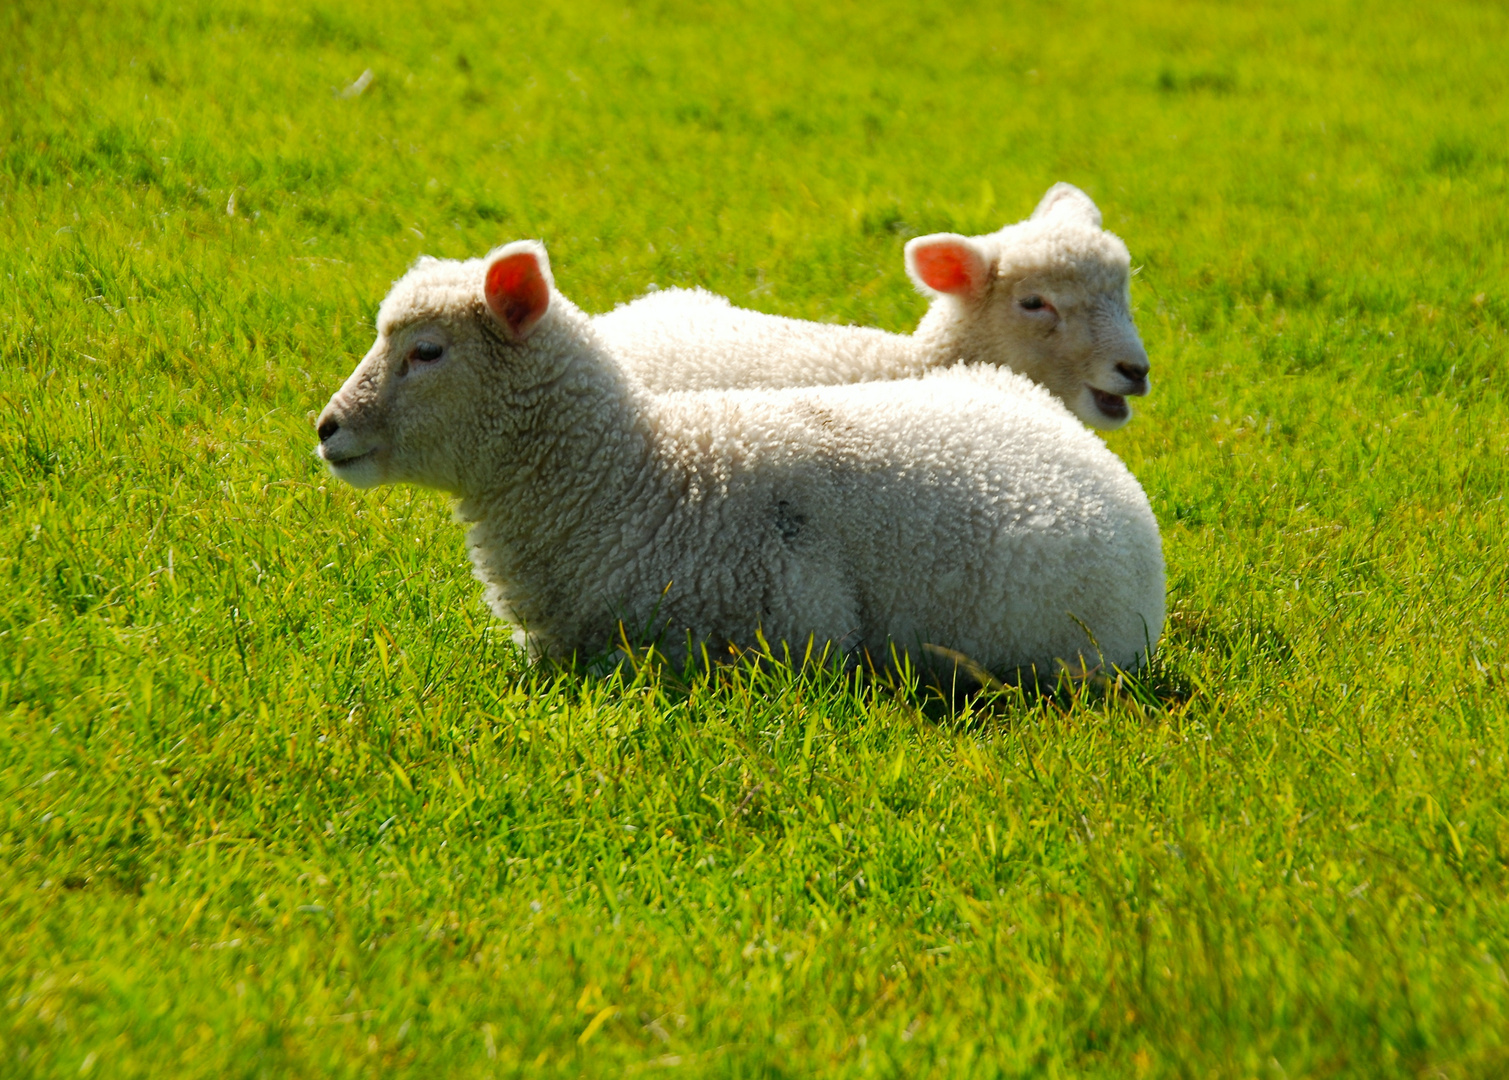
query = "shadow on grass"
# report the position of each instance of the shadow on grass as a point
(948, 690)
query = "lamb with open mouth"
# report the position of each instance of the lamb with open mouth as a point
(1048, 297)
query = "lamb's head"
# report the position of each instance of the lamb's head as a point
(457, 347)
(1048, 297)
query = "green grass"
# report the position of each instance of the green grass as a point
(280, 801)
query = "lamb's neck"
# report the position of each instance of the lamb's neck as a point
(585, 450)
(880, 355)
(940, 339)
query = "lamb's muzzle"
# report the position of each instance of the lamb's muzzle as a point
(351, 455)
(1137, 376)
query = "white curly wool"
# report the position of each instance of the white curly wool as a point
(965, 512)
(1048, 297)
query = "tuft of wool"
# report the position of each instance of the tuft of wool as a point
(964, 511)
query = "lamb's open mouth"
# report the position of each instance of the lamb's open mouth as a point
(1113, 405)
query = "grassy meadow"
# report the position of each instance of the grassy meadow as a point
(279, 799)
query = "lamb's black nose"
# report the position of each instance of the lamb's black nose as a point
(1136, 374)
(327, 428)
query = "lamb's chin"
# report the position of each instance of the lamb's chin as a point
(360, 472)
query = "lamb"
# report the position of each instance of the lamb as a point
(1047, 297)
(965, 512)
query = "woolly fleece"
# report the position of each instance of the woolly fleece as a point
(966, 509)
(1081, 343)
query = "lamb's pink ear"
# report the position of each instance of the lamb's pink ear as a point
(1067, 201)
(517, 286)
(948, 263)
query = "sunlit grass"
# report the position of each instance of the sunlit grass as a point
(281, 799)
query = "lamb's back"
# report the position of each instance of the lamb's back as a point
(691, 339)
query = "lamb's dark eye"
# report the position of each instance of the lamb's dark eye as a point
(1031, 303)
(426, 352)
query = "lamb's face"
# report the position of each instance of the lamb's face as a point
(406, 413)
(1067, 324)
(1048, 298)
(432, 394)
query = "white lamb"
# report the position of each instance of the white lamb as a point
(965, 512)
(1048, 297)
